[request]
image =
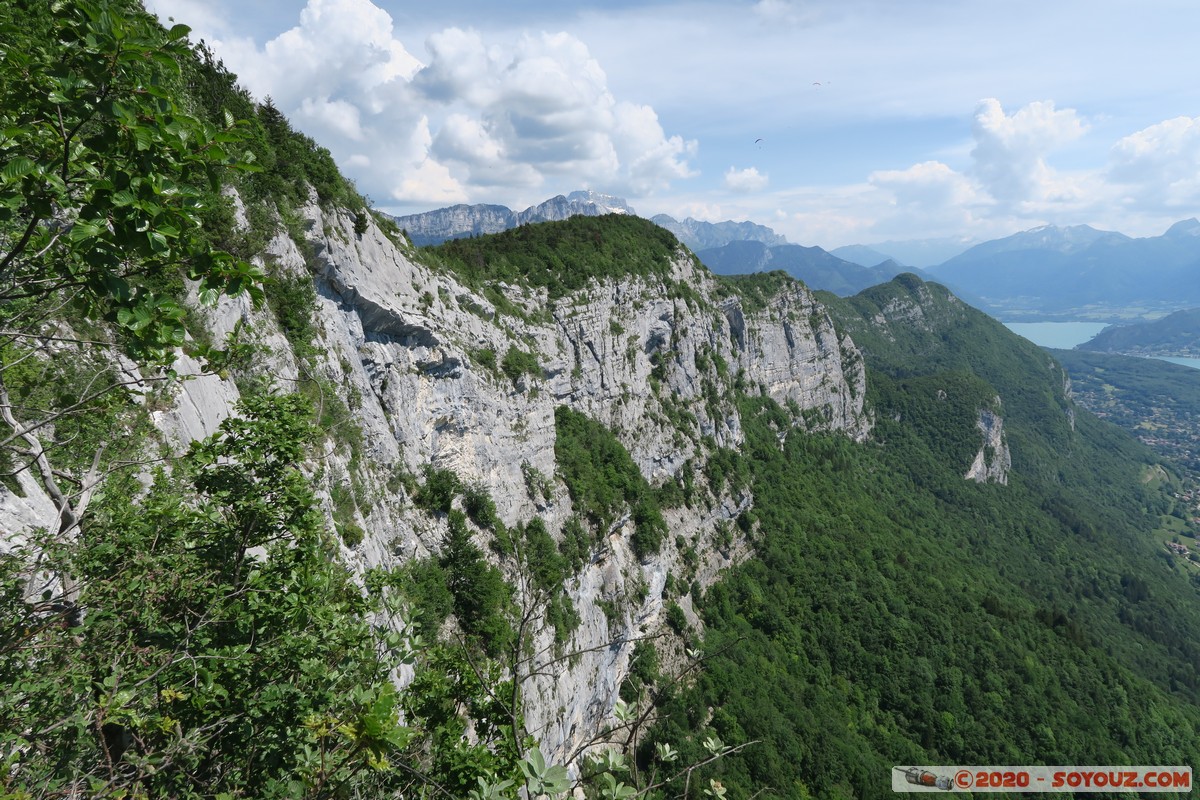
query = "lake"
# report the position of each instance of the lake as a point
(1194, 363)
(1064, 335)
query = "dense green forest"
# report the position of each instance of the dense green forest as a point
(195, 634)
(898, 614)
(561, 257)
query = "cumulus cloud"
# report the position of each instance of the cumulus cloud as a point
(1009, 183)
(1159, 167)
(930, 184)
(931, 195)
(745, 180)
(479, 120)
(1010, 150)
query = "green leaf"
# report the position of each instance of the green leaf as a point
(18, 167)
(158, 242)
(84, 229)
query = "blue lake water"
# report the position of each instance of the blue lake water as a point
(1064, 335)
(1194, 363)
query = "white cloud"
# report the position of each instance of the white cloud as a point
(330, 115)
(431, 183)
(1008, 186)
(460, 68)
(652, 159)
(1159, 167)
(341, 49)
(482, 120)
(930, 195)
(929, 185)
(1009, 150)
(696, 209)
(745, 180)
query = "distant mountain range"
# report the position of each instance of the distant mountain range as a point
(727, 248)
(1079, 272)
(456, 222)
(923, 253)
(1075, 272)
(862, 255)
(700, 236)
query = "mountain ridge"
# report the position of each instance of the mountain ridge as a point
(1080, 271)
(453, 222)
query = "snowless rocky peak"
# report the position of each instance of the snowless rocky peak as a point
(584, 203)
(1186, 227)
(609, 203)
(452, 222)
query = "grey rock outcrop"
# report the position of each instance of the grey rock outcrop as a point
(993, 461)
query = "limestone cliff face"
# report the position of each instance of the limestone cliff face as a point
(625, 353)
(993, 461)
(460, 220)
(404, 348)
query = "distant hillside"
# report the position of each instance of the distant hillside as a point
(862, 255)
(873, 562)
(923, 253)
(1080, 271)
(818, 269)
(698, 235)
(1176, 334)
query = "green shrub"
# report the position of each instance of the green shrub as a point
(603, 480)
(518, 362)
(480, 507)
(486, 358)
(439, 490)
(676, 619)
(482, 600)
(542, 558)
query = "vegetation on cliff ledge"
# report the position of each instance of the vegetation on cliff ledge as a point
(562, 257)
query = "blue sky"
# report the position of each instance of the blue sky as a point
(879, 119)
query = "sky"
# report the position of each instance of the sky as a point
(834, 122)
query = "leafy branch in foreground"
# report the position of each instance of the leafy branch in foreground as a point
(103, 182)
(103, 172)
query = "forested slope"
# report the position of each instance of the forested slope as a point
(896, 613)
